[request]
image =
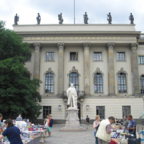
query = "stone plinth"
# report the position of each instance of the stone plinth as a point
(72, 121)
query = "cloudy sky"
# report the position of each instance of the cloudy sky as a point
(49, 9)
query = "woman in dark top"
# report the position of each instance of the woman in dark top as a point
(13, 133)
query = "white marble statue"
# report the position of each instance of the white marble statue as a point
(72, 96)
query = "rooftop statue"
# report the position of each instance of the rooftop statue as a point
(85, 18)
(60, 18)
(16, 19)
(131, 18)
(38, 18)
(109, 18)
(72, 96)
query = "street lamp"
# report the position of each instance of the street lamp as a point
(87, 107)
(59, 107)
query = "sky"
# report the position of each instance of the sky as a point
(97, 11)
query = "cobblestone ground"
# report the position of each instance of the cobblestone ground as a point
(86, 137)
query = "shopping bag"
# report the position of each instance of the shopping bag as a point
(134, 141)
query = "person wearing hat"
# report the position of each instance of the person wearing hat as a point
(50, 124)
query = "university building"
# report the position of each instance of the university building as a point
(105, 62)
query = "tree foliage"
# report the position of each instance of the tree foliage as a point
(18, 93)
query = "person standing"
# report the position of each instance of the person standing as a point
(87, 121)
(125, 123)
(132, 125)
(96, 124)
(50, 124)
(46, 123)
(13, 133)
(19, 118)
(104, 131)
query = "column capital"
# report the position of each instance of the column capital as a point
(134, 46)
(110, 44)
(37, 46)
(86, 45)
(60, 45)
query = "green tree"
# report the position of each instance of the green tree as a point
(18, 93)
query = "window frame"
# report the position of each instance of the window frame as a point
(73, 58)
(100, 84)
(49, 110)
(124, 110)
(140, 61)
(49, 84)
(53, 57)
(142, 84)
(96, 56)
(74, 78)
(98, 108)
(123, 83)
(119, 56)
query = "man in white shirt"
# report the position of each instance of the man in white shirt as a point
(104, 131)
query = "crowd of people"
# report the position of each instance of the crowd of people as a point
(13, 133)
(103, 131)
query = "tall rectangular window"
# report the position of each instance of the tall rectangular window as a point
(49, 83)
(73, 56)
(122, 85)
(126, 110)
(100, 110)
(142, 84)
(50, 56)
(97, 56)
(46, 111)
(120, 56)
(141, 59)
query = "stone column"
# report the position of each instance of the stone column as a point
(134, 60)
(60, 68)
(37, 60)
(111, 74)
(86, 68)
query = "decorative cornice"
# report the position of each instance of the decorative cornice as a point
(134, 46)
(122, 71)
(97, 71)
(60, 45)
(86, 45)
(73, 70)
(112, 44)
(37, 45)
(49, 71)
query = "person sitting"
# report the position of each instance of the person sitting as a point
(13, 133)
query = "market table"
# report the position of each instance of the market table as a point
(41, 134)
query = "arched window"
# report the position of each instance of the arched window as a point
(142, 84)
(49, 83)
(98, 83)
(74, 78)
(122, 86)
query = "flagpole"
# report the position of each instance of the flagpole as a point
(74, 11)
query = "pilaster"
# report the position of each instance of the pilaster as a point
(60, 68)
(37, 60)
(134, 62)
(111, 74)
(86, 68)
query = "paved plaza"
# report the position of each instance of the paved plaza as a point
(85, 137)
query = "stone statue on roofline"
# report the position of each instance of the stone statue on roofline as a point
(16, 19)
(60, 18)
(38, 18)
(109, 18)
(131, 18)
(86, 18)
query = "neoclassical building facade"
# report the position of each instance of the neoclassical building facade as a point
(105, 62)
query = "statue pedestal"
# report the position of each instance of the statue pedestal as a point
(72, 121)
